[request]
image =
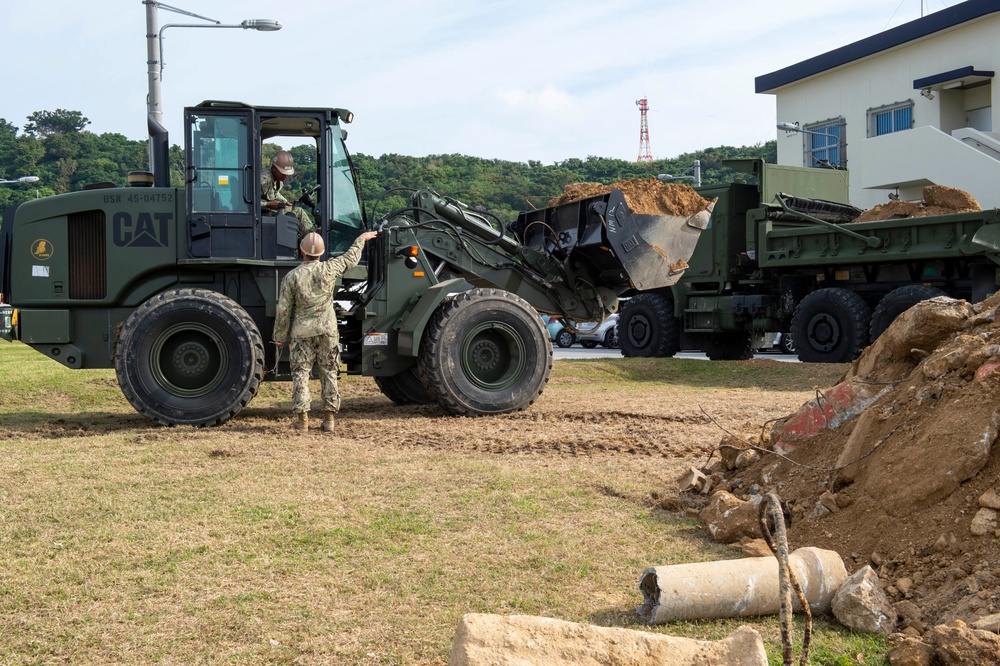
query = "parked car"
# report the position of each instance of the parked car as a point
(591, 334)
(783, 343)
(558, 332)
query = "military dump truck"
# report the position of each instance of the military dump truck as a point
(784, 255)
(176, 287)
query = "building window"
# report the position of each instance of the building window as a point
(826, 143)
(890, 118)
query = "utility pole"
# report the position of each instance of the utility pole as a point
(645, 155)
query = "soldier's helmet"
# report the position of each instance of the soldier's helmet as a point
(312, 245)
(282, 161)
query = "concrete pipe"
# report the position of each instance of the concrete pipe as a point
(737, 588)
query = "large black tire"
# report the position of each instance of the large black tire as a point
(485, 351)
(729, 346)
(189, 357)
(898, 301)
(831, 326)
(404, 388)
(647, 327)
(564, 338)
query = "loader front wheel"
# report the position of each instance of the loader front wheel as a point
(831, 326)
(189, 357)
(485, 351)
(404, 388)
(647, 326)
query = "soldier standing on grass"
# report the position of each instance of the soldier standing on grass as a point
(307, 321)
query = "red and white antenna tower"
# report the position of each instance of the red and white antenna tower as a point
(645, 155)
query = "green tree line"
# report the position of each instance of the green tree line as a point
(57, 147)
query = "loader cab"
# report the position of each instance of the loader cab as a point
(223, 169)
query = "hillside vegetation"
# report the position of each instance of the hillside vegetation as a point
(57, 147)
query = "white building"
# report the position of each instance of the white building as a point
(905, 108)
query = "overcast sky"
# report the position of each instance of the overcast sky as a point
(511, 79)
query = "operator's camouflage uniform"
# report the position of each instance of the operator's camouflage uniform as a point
(270, 189)
(305, 309)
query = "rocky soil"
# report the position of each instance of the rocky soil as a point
(644, 196)
(896, 467)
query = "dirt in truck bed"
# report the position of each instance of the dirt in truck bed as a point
(938, 200)
(644, 196)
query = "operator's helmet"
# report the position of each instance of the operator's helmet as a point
(312, 245)
(282, 161)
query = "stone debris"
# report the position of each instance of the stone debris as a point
(693, 480)
(522, 640)
(984, 522)
(729, 518)
(861, 605)
(989, 623)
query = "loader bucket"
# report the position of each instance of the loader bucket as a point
(653, 249)
(624, 249)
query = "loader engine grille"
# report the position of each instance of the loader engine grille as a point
(88, 264)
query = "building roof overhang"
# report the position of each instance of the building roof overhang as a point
(923, 27)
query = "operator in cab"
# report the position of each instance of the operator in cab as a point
(272, 201)
(306, 320)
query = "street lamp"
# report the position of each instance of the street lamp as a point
(154, 46)
(22, 179)
(696, 177)
(794, 127)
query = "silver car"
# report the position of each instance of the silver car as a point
(592, 333)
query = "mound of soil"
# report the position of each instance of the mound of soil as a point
(938, 200)
(644, 196)
(903, 472)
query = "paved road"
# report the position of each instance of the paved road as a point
(578, 352)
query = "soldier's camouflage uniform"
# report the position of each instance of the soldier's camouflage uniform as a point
(270, 189)
(306, 319)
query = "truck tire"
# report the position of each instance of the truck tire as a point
(485, 351)
(647, 327)
(565, 339)
(898, 301)
(729, 346)
(831, 326)
(189, 357)
(404, 388)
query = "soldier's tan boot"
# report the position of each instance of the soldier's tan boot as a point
(327, 422)
(301, 422)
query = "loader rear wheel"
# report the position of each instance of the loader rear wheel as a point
(831, 326)
(404, 388)
(647, 326)
(898, 301)
(729, 346)
(485, 351)
(189, 357)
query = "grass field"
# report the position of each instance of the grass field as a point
(124, 542)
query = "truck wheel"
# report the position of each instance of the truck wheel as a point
(189, 357)
(729, 346)
(404, 388)
(485, 351)
(830, 326)
(898, 301)
(647, 327)
(564, 338)
(588, 344)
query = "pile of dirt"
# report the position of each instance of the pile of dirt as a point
(644, 196)
(938, 200)
(897, 466)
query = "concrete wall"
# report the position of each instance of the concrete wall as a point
(908, 159)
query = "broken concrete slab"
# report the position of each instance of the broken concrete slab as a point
(522, 640)
(729, 518)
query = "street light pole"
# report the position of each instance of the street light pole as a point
(22, 179)
(154, 49)
(794, 127)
